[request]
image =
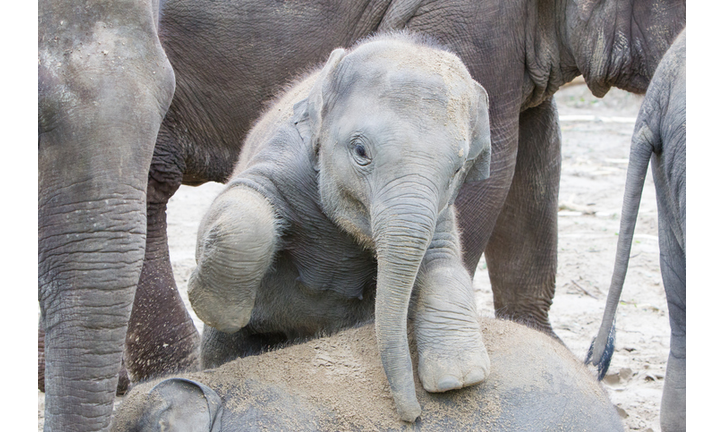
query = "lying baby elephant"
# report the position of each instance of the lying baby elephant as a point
(341, 204)
(338, 383)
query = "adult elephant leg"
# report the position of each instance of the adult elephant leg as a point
(104, 84)
(673, 271)
(123, 381)
(522, 252)
(479, 203)
(161, 338)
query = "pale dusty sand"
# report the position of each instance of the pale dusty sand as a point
(596, 139)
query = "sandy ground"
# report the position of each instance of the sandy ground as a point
(596, 139)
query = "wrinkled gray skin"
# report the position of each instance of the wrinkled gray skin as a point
(104, 85)
(341, 207)
(535, 385)
(659, 136)
(229, 58)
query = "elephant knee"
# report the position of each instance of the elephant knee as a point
(235, 247)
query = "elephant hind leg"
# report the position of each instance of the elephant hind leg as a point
(673, 272)
(522, 252)
(673, 401)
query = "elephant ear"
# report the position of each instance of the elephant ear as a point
(479, 154)
(181, 405)
(308, 112)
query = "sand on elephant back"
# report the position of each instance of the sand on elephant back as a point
(340, 381)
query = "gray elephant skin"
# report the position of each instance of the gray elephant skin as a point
(96, 141)
(660, 137)
(341, 209)
(104, 85)
(338, 383)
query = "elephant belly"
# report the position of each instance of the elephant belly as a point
(303, 304)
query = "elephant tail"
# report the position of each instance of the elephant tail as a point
(642, 146)
(605, 360)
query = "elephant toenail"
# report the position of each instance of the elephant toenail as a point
(448, 383)
(475, 376)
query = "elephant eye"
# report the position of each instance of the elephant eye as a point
(359, 152)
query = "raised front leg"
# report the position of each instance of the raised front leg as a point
(235, 248)
(522, 252)
(447, 329)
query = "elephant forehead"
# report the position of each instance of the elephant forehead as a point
(404, 56)
(446, 98)
(411, 89)
(423, 124)
(422, 100)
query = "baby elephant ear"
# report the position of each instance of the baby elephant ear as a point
(181, 404)
(308, 112)
(480, 139)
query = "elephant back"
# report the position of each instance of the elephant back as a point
(338, 383)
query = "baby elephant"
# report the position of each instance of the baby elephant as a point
(341, 209)
(337, 383)
(659, 136)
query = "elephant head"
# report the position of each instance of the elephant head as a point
(397, 129)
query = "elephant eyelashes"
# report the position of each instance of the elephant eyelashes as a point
(359, 152)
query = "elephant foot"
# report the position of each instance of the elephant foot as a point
(451, 352)
(442, 367)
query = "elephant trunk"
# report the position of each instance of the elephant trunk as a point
(402, 234)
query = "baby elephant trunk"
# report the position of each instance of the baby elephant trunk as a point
(402, 227)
